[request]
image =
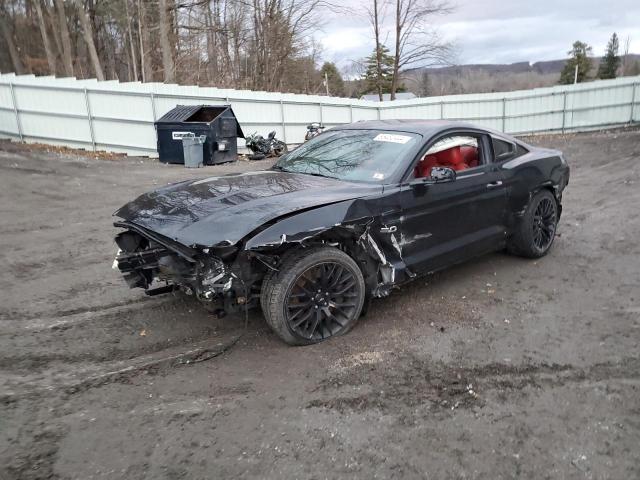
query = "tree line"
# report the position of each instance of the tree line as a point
(580, 64)
(245, 44)
(252, 44)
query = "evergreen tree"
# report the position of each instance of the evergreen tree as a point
(611, 61)
(370, 77)
(336, 84)
(578, 55)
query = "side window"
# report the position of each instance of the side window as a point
(502, 150)
(458, 151)
(520, 150)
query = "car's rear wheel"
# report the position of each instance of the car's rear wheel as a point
(536, 231)
(316, 294)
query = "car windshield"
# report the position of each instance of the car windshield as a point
(358, 155)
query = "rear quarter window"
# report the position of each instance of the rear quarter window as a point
(504, 150)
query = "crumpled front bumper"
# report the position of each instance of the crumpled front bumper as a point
(146, 259)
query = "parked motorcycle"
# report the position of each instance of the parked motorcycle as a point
(313, 130)
(265, 147)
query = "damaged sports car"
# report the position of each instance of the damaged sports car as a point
(350, 215)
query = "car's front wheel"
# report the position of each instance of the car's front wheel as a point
(316, 293)
(536, 230)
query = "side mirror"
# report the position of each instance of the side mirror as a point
(442, 174)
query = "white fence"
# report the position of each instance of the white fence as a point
(119, 117)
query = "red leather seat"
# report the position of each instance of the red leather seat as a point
(454, 159)
(423, 169)
(470, 155)
(451, 157)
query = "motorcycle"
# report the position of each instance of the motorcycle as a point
(265, 147)
(313, 130)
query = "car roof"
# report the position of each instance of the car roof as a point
(426, 128)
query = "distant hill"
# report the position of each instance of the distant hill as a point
(544, 67)
(479, 78)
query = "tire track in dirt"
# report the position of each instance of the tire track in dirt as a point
(62, 319)
(446, 386)
(74, 379)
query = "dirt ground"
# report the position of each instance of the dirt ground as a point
(500, 368)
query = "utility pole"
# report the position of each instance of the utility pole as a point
(326, 82)
(575, 76)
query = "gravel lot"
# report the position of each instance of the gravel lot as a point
(499, 368)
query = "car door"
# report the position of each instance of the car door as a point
(445, 223)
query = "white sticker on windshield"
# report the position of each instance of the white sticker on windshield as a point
(378, 176)
(391, 137)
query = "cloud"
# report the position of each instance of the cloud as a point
(497, 31)
(347, 43)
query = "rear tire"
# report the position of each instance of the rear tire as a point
(317, 293)
(536, 230)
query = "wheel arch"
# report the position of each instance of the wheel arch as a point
(345, 225)
(275, 292)
(554, 190)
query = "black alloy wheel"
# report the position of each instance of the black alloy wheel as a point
(533, 235)
(544, 223)
(321, 301)
(316, 294)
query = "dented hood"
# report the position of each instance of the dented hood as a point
(223, 210)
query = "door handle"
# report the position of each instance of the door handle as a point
(495, 184)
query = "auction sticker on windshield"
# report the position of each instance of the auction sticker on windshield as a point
(391, 137)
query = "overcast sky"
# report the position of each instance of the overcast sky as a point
(500, 31)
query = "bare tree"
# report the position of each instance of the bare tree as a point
(63, 29)
(260, 44)
(46, 42)
(87, 33)
(52, 21)
(7, 34)
(416, 42)
(134, 58)
(143, 37)
(626, 63)
(375, 18)
(166, 25)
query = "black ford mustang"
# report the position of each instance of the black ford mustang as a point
(347, 216)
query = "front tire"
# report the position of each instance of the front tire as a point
(536, 231)
(316, 294)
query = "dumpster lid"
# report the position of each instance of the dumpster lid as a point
(199, 114)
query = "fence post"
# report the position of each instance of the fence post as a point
(564, 109)
(320, 106)
(633, 102)
(15, 111)
(152, 98)
(88, 106)
(351, 113)
(284, 126)
(504, 113)
(441, 110)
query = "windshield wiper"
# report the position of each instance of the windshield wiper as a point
(315, 174)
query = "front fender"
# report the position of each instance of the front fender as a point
(301, 226)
